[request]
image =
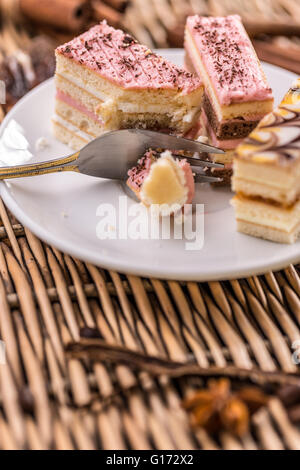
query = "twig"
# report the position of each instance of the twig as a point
(99, 351)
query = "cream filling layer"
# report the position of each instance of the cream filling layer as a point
(266, 215)
(96, 93)
(165, 185)
(70, 127)
(275, 176)
(266, 191)
(61, 96)
(127, 107)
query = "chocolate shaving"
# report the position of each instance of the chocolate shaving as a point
(128, 40)
(87, 46)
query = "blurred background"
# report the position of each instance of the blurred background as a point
(31, 29)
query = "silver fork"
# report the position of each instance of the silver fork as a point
(113, 154)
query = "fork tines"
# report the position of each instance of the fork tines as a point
(194, 161)
(201, 178)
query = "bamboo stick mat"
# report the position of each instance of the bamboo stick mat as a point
(55, 396)
(100, 360)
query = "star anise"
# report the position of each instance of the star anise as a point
(218, 407)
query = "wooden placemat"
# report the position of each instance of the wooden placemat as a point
(100, 360)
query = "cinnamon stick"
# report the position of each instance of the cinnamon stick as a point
(254, 28)
(273, 55)
(101, 11)
(175, 35)
(118, 4)
(287, 51)
(65, 14)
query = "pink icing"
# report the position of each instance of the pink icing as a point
(227, 144)
(229, 59)
(117, 57)
(75, 104)
(137, 174)
(194, 132)
(189, 180)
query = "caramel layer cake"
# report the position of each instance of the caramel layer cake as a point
(163, 180)
(106, 81)
(267, 175)
(237, 95)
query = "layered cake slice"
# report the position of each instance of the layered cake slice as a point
(267, 175)
(237, 95)
(163, 180)
(106, 81)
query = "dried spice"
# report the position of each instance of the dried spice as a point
(42, 56)
(22, 70)
(26, 400)
(87, 332)
(218, 407)
(290, 397)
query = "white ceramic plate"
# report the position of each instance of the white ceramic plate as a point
(61, 210)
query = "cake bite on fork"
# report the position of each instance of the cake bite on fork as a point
(163, 180)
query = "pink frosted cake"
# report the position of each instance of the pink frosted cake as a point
(105, 81)
(237, 95)
(161, 179)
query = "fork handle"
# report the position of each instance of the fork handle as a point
(34, 169)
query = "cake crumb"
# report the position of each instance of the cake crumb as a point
(41, 144)
(203, 139)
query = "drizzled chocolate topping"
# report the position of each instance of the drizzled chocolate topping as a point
(277, 138)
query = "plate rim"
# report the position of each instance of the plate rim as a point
(108, 262)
